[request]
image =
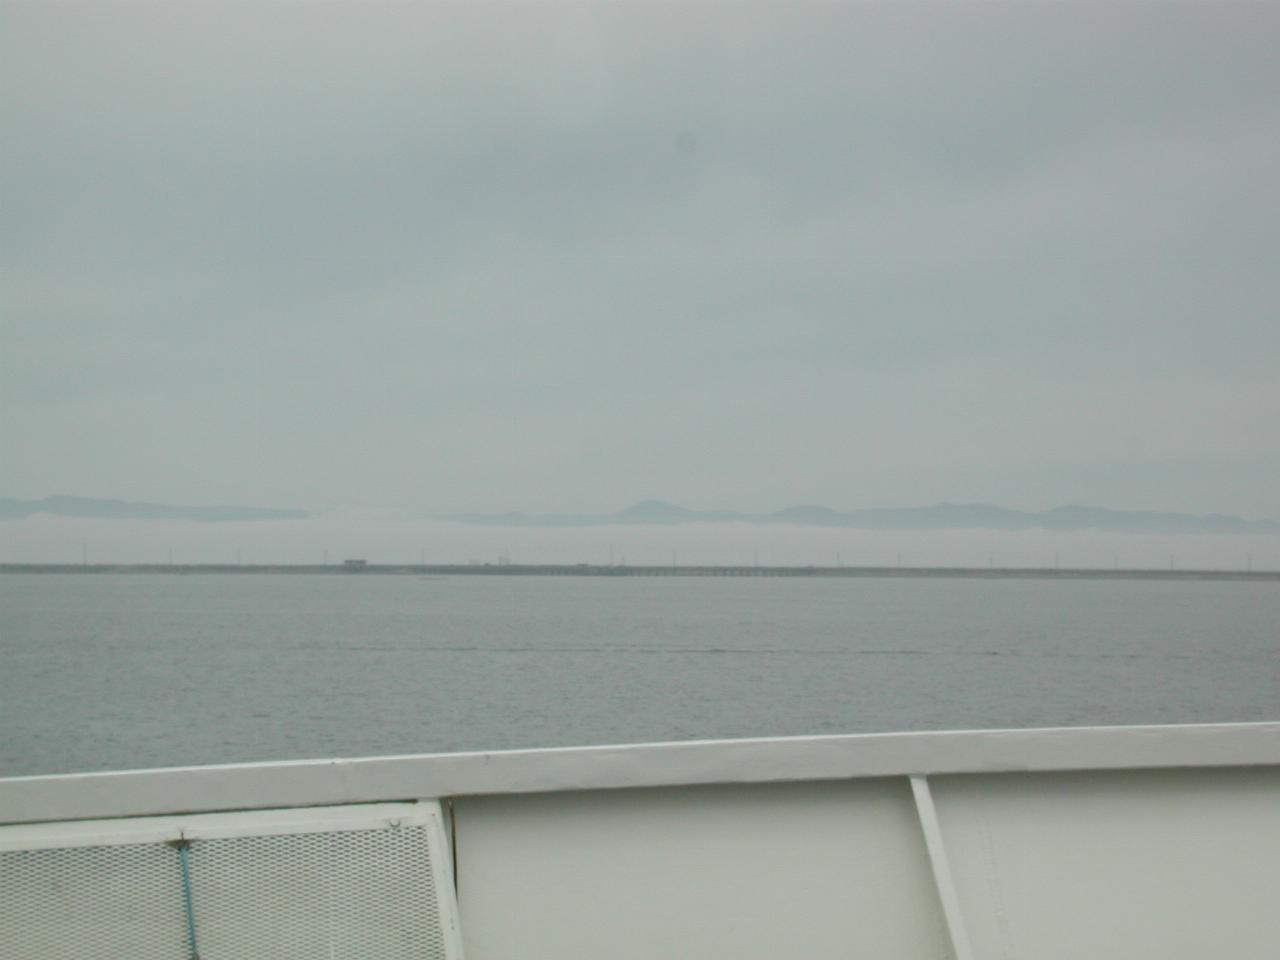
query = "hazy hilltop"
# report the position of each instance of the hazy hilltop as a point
(89, 507)
(942, 516)
(648, 513)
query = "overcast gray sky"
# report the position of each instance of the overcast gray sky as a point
(553, 257)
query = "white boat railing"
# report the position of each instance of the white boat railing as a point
(1102, 842)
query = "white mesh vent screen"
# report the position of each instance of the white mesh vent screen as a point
(91, 902)
(359, 894)
(356, 894)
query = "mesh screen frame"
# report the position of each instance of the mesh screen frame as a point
(362, 881)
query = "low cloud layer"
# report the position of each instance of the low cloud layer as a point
(560, 257)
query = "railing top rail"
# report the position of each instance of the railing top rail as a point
(373, 779)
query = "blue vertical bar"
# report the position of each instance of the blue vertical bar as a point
(183, 846)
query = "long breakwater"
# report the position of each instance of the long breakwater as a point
(620, 570)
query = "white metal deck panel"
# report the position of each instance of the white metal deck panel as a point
(1112, 844)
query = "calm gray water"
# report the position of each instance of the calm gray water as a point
(108, 672)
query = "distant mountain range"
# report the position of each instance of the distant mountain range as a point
(11, 509)
(942, 516)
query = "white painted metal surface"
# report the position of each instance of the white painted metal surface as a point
(317, 782)
(1113, 844)
(1168, 864)
(957, 932)
(815, 870)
